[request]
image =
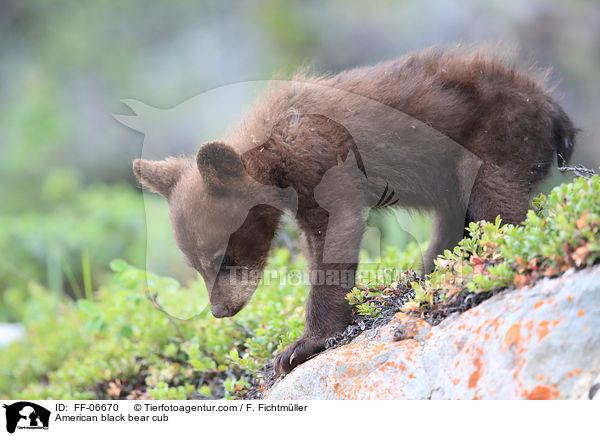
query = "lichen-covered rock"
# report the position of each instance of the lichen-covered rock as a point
(539, 342)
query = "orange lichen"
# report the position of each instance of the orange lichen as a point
(581, 312)
(557, 322)
(542, 392)
(542, 330)
(410, 326)
(512, 336)
(538, 305)
(518, 368)
(495, 323)
(352, 372)
(529, 327)
(476, 375)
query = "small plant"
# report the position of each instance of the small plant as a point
(561, 231)
(124, 344)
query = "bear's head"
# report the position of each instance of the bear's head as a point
(223, 220)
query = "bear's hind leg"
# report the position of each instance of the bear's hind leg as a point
(447, 231)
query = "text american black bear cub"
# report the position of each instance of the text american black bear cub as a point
(456, 132)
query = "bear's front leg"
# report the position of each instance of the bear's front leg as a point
(328, 313)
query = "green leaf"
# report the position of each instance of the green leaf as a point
(125, 332)
(89, 308)
(119, 265)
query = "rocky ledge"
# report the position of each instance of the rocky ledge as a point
(538, 342)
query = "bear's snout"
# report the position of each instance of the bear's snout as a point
(221, 311)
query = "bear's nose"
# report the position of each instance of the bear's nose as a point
(220, 311)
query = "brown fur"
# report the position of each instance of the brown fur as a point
(497, 123)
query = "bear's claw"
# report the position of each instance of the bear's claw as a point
(296, 353)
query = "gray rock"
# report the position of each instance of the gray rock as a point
(539, 342)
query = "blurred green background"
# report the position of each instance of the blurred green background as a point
(69, 203)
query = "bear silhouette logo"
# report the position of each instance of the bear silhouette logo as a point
(26, 415)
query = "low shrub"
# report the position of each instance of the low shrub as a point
(146, 336)
(561, 231)
(125, 344)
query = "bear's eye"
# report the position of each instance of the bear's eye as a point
(227, 260)
(223, 260)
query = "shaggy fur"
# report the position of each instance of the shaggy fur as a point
(456, 132)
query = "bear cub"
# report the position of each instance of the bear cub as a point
(456, 132)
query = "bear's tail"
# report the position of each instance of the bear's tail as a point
(563, 135)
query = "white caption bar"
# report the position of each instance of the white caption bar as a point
(296, 417)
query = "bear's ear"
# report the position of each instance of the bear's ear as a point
(219, 164)
(159, 176)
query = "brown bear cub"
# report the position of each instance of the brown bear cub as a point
(456, 132)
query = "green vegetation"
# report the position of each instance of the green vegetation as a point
(66, 244)
(122, 343)
(69, 203)
(561, 231)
